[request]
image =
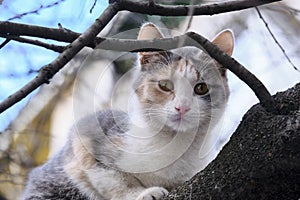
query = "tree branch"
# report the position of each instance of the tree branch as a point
(17, 29)
(211, 9)
(14, 30)
(4, 43)
(275, 40)
(88, 37)
(36, 11)
(52, 47)
(240, 71)
(93, 6)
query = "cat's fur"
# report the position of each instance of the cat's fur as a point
(143, 154)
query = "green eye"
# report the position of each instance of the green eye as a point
(201, 88)
(166, 85)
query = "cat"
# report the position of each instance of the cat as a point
(177, 98)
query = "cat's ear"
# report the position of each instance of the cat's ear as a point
(148, 32)
(225, 41)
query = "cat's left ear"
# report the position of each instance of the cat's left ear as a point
(225, 41)
(149, 32)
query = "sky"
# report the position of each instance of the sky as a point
(19, 62)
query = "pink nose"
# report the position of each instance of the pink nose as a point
(182, 109)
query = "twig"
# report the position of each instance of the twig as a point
(19, 16)
(4, 43)
(93, 6)
(190, 14)
(293, 11)
(52, 47)
(275, 40)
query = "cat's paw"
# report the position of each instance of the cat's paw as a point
(153, 193)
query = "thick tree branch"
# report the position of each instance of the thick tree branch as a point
(88, 37)
(211, 9)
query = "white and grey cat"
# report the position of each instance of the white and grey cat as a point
(178, 98)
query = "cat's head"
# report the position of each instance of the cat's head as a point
(184, 88)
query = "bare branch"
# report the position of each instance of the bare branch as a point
(52, 47)
(275, 40)
(35, 11)
(240, 71)
(14, 30)
(4, 43)
(17, 29)
(93, 6)
(211, 9)
(293, 11)
(190, 14)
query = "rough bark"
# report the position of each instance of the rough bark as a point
(261, 160)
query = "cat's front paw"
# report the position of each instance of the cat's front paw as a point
(153, 193)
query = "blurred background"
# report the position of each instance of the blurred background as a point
(36, 127)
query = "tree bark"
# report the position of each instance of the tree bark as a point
(261, 160)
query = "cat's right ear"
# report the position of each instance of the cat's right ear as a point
(149, 32)
(225, 42)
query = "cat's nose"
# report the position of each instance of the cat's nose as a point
(182, 109)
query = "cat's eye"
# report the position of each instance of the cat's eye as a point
(166, 85)
(201, 88)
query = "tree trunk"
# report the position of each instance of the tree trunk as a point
(261, 160)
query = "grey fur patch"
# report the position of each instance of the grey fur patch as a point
(50, 181)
